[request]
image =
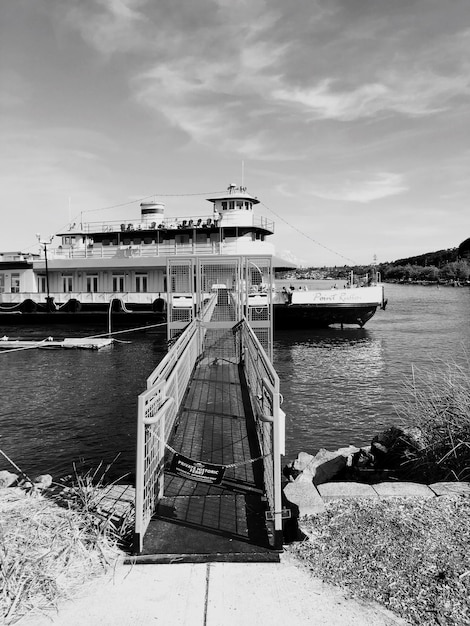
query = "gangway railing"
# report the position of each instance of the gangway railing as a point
(264, 391)
(158, 408)
(159, 405)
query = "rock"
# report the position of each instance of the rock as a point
(302, 461)
(7, 479)
(394, 447)
(325, 465)
(43, 481)
(305, 496)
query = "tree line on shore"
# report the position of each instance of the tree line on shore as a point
(444, 266)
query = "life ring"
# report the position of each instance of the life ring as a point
(28, 306)
(74, 305)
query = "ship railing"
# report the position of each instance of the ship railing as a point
(190, 222)
(130, 251)
(159, 405)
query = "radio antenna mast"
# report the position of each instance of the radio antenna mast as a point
(243, 173)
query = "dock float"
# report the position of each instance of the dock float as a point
(71, 343)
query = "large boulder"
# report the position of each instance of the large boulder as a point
(324, 466)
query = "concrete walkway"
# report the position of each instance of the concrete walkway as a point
(216, 594)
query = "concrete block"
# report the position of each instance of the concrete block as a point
(403, 489)
(334, 491)
(305, 496)
(451, 489)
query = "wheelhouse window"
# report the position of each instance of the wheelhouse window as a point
(2, 283)
(67, 283)
(141, 283)
(92, 283)
(231, 204)
(118, 282)
(224, 206)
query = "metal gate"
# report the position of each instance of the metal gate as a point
(221, 291)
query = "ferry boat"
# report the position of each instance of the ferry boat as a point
(120, 266)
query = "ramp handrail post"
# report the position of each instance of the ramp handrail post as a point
(139, 479)
(264, 386)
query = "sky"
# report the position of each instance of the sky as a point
(348, 119)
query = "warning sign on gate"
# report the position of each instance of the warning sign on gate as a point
(196, 470)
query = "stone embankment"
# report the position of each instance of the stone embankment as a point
(389, 467)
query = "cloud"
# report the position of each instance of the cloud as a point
(417, 94)
(349, 187)
(254, 77)
(110, 26)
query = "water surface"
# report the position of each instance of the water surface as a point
(339, 386)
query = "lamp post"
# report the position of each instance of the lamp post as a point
(49, 301)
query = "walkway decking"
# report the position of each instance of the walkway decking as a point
(198, 522)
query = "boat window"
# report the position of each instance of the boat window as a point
(42, 283)
(239, 204)
(118, 283)
(67, 283)
(141, 283)
(2, 283)
(224, 206)
(15, 283)
(92, 282)
(248, 206)
(231, 204)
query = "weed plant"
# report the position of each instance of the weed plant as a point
(52, 544)
(437, 404)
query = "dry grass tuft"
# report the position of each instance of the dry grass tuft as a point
(51, 545)
(438, 404)
(411, 555)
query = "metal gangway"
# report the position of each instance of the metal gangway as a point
(210, 426)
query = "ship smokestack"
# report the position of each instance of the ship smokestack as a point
(152, 212)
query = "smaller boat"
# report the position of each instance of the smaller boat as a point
(50, 344)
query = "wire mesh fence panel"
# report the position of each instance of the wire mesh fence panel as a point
(259, 289)
(180, 295)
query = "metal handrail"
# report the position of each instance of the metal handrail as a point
(158, 408)
(264, 390)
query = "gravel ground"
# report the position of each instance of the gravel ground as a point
(411, 555)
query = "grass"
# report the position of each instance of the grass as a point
(437, 406)
(51, 545)
(411, 555)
